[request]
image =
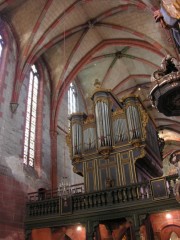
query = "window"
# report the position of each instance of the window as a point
(31, 114)
(72, 99)
(173, 236)
(1, 46)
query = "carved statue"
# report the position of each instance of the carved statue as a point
(169, 16)
(175, 160)
(161, 145)
(165, 94)
(169, 64)
(109, 183)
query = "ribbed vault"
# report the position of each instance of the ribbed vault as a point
(117, 42)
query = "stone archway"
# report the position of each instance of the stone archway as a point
(170, 232)
(174, 236)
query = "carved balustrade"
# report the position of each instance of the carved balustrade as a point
(117, 197)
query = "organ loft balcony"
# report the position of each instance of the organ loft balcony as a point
(119, 154)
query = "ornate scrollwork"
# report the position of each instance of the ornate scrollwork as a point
(169, 64)
(136, 143)
(119, 112)
(128, 96)
(141, 155)
(161, 145)
(90, 119)
(75, 169)
(175, 160)
(105, 152)
(144, 120)
(69, 143)
(165, 94)
(109, 183)
(76, 159)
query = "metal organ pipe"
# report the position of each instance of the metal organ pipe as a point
(108, 130)
(77, 137)
(76, 129)
(104, 122)
(133, 120)
(97, 124)
(73, 139)
(89, 139)
(120, 130)
(124, 130)
(103, 119)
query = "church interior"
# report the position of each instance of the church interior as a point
(90, 119)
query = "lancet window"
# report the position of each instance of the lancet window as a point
(31, 117)
(1, 46)
(72, 99)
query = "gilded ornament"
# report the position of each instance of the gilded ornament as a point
(74, 169)
(142, 154)
(76, 159)
(119, 112)
(129, 96)
(77, 171)
(105, 152)
(89, 119)
(144, 120)
(69, 143)
(136, 143)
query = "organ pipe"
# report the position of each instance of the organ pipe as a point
(120, 130)
(103, 119)
(89, 137)
(114, 145)
(133, 119)
(107, 127)
(77, 134)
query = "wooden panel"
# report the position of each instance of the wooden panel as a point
(127, 176)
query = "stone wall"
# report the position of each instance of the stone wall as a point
(12, 211)
(16, 179)
(46, 141)
(12, 179)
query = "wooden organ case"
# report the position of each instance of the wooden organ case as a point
(116, 146)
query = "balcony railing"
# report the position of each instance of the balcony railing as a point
(49, 203)
(51, 194)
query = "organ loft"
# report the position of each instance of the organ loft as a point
(117, 145)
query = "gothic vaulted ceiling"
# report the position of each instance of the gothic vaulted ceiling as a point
(114, 41)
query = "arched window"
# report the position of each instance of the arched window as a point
(72, 99)
(173, 236)
(1, 46)
(31, 115)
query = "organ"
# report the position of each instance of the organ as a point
(117, 145)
